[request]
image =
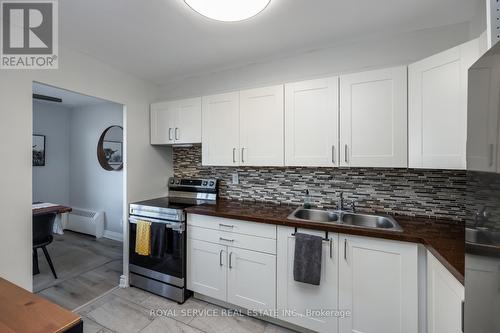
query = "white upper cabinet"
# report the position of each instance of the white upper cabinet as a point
(438, 108)
(484, 99)
(311, 123)
(176, 122)
(378, 283)
(243, 128)
(261, 127)
(373, 113)
(188, 121)
(163, 123)
(220, 129)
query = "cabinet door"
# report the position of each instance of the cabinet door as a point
(301, 297)
(482, 286)
(220, 129)
(438, 108)
(444, 299)
(262, 126)
(311, 123)
(188, 121)
(206, 268)
(378, 284)
(482, 121)
(163, 123)
(373, 116)
(251, 279)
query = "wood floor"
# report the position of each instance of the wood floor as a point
(86, 267)
(129, 311)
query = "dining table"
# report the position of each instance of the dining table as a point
(41, 208)
(22, 311)
(61, 211)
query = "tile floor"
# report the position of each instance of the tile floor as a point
(129, 311)
(86, 269)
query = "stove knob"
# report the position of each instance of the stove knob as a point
(177, 181)
(171, 181)
(205, 183)
(211, 184)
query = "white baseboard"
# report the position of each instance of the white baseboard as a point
(117, 236)
(124, 281)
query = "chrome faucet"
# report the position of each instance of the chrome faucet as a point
(480, 217)
(340, 204)
(340, 201)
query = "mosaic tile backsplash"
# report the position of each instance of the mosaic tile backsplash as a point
(483, 194)
(413, 192)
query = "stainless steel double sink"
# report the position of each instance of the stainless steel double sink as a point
(482, 236)
(345, 218)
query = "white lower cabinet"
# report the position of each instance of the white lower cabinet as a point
(482, 276)
(216, 268)
(251, 279)
(378, 283)
(368, 285)
(445, 295)
(296, 300)
(206, 266)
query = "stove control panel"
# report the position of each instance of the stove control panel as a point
(193, 184)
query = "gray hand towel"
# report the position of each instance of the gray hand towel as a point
(307, 258)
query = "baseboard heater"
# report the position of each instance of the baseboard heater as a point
(86, 221)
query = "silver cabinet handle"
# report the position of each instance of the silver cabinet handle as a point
(230, 260)
(331, 248)
(226, 240)
(345, 249)
(492, 147)
(234, 155)
(170, 134)
(333, 154)
(346, 153)
(220, 257)
(176, 133)
(226, 225)
(242, 158)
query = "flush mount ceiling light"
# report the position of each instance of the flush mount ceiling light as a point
(228, 10)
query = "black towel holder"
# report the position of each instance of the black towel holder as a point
(325, 239)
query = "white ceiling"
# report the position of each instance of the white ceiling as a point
(70, 99)
(164, 40)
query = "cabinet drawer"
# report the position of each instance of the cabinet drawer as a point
(260, 244)
(231, 225)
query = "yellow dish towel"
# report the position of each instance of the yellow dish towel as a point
(143, 238)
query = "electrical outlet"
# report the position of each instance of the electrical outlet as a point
(236, 179)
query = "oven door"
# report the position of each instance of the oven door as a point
(170, 266)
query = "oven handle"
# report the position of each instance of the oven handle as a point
(176, 226)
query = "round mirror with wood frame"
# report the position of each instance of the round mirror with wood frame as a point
(110, 148)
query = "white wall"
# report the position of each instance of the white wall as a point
(92, 187)
(51, 182)
(147, 170)
(373, 51)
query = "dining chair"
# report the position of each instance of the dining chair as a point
(42, 236)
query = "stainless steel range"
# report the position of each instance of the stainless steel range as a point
(163, 271)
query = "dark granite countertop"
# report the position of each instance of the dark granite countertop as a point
(444, 239)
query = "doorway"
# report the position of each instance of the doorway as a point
(78, 195)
